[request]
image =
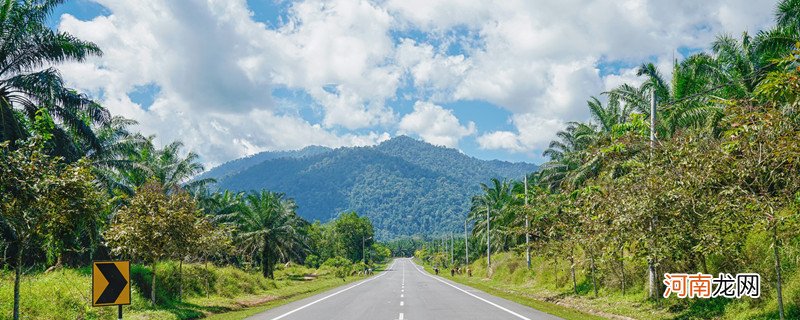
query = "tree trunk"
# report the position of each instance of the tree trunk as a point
(572, 269)
(703, 263)
(153, 286)
(208, 289)
(651, 276)
(594, 280)
(555, 270)
(180, 280)
(17, 276)
(266, 264)
(622, 269)
(777, 257)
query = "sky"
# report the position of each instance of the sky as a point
(494, 79)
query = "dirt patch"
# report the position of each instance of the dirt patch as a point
(259, 301)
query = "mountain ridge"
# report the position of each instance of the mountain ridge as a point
(404, 185)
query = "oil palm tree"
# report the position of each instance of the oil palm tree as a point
(608, 116)
(167, 165)
(267, 228)
(31, 91)
(498, 198)
(564, 153)
(118, 147)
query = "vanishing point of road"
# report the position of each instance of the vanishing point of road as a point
(403, 292)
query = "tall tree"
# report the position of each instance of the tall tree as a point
(266, 226)
(40, 197)
(154, 226)
(31, 91)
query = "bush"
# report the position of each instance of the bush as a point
(340, 266)
(312, 261)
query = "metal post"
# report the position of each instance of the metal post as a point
(466, 244)
(452, 251)
(527, 227)
(488, 237)
(651, 268)
(653, 117)
(364, 248)
(119, 311)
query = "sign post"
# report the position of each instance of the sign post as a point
(111, 284)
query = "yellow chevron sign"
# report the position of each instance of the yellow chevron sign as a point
(111, 283)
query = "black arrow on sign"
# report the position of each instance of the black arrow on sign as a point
(116, 283)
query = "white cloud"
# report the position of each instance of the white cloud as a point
(533, 134)
(540, 60)
(435, 125)
(344, 44)
(216, 67)
(500, 140)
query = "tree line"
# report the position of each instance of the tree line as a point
(78, 184)
(717, 191)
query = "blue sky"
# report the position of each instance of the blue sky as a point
(493, 79)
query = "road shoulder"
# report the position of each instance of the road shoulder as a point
(475, 283)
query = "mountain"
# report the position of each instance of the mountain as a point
(403, 185)
(236, 166)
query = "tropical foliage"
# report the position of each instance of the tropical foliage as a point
(716, 191)
(78, 185)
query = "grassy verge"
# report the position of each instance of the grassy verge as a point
(281, 297)
(492, 288)
(289, 296)
(547, 286)
(208, 291)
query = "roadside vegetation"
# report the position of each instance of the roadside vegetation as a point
(78, 184)
(717, 191)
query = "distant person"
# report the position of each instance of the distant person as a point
(436, 269)
(452, 272)
(469, 272)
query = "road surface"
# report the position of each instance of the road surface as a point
(403, 292)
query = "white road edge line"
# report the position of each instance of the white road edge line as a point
(404, 275)
(474, 296)
(335, 293)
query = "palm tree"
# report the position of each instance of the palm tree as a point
(497, 198)
(611, 114)
(165, 165)
(267, 227)
(35, 99)
(564, 153)
(119, 145)
(787, 14)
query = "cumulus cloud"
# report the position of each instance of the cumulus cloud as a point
(533, 133)
(435, 125)
(215, 67)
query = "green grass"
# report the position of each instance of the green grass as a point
(221, 292)
(285, 296)
(548, 287)
(292, 294)
(517, 296)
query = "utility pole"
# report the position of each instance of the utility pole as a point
(466, 244)
(527, 227)
(452, 250)
(488, 238)
(364, 248)
(651, 264)
(653, 117)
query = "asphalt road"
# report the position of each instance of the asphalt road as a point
(403, 292)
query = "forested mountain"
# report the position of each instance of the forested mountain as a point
(403, 185)
(235, 166)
